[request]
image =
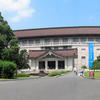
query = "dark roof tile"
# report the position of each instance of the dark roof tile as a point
(57, 31)
(63, 53)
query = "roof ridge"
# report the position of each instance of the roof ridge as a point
(57, 28)
(55, 50)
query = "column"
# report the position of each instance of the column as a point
(37, 65)
(56, 64)
(46, 65)
(66, 60)
(30, 62)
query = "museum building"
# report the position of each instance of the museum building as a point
(60, 47)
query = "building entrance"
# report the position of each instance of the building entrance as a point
(42, 65)
(61, 65)
(51, 65)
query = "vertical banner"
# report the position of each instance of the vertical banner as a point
(91, 53)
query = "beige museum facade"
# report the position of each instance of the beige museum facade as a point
(60, 47)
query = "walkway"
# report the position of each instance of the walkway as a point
(67, 87)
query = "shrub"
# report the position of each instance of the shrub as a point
(1, 68)
(84, 67)
(22, 75)
(55, 73)
(9, 69)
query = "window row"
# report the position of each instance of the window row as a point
(56, 41)
(56, 48)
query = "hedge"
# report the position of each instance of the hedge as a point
(55, 73)
(7, 69)
(22, 75)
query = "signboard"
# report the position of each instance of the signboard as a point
(91, 53)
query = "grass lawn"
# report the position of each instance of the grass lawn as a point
(4, 79)
(19, 78)
(97, 75)
(55, 73)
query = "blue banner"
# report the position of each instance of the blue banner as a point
(91, 53)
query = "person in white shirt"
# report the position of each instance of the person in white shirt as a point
(76, 70)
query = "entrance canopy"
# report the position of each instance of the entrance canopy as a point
(39, 54)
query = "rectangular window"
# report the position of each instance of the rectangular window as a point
(55, 48)
(30, 42)
(90, 40)
(84, 40)
(47, 48)
(83, 60)
(65, 47)
(98, 49)
(83, 50)
(56, 41)
(60, 48)
(24, 42)
(98, 40)
(37, 41)
(65, 40)
(47, 41)
(75, 40)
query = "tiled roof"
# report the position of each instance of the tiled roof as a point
(60, 31)
(62, 53)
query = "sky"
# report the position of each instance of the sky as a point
(30, 14)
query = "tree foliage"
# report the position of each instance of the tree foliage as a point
(96, 63)
(9, 49)
(23, 60)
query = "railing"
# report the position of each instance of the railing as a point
(56, 44)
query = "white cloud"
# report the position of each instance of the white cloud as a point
(20, 7)
(23, 14)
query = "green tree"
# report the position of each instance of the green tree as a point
(23, 59)
(9, 49)
(96, 63)
(5, 31)
(2, 42)
(11, 52)
(6, 35)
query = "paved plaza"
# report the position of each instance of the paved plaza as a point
(67, 87)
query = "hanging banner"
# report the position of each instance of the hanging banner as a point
(91, 53)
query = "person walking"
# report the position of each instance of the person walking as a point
(76, 70)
